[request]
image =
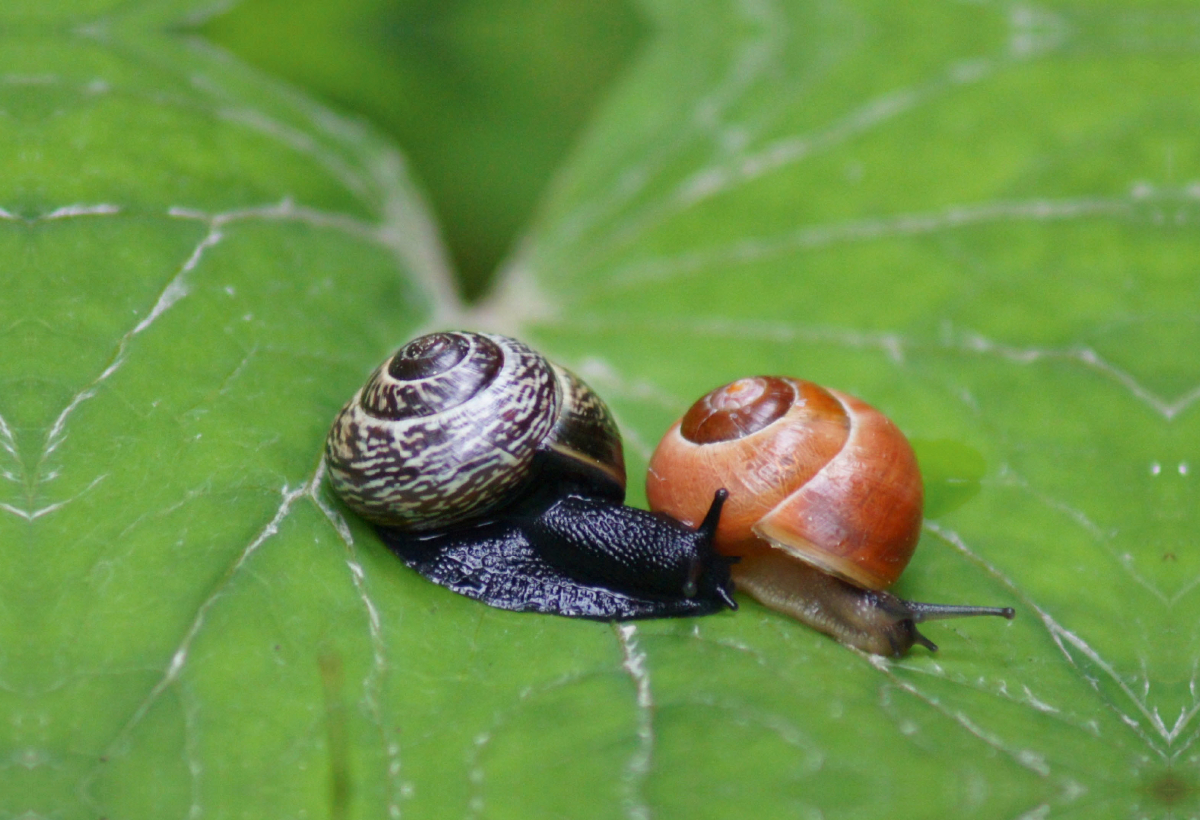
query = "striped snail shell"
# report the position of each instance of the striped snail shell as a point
(500, 475)
(825, 504)
(447, 429)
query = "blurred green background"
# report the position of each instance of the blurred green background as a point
(484, 96)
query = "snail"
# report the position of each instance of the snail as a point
(825, 505)
(500, 475)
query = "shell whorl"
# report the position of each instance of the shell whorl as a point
(443, 431)
(586, 436)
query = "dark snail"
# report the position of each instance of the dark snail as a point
(824, 509)
(500, 475)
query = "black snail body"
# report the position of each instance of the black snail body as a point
(499, 475)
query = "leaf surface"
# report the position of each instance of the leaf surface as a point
(977, 217)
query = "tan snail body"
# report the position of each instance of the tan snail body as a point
(824, 510)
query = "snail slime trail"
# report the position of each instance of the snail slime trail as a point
(500, 475)
(824, 511)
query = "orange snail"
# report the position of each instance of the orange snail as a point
(824, 507)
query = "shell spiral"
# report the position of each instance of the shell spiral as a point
(444, 430)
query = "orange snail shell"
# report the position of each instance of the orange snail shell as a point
(814, 472)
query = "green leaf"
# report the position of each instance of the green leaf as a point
(977, 217)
